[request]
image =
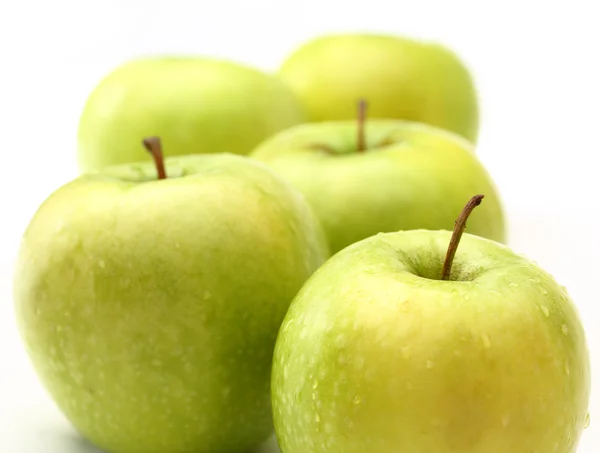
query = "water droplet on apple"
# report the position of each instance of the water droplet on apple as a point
(102, 264)
(356, 399)
(587, 422)
(207, 295)
(506, 420)
(466, 297)
(328, 427)
(513, 285)
(317, 418)
(565, 329)
(298, 397)
(543, 290)
(486, 340)
(314, 396)
(315, 384)
(545, 310)
(429, 364)
(58, 328)
(349, 422)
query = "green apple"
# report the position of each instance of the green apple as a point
(196, 105)
(401, 77)
(378, 353)
(150, 308)
(407, 175)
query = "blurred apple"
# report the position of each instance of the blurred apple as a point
(367, 177)
(196, 105)
(400, 77)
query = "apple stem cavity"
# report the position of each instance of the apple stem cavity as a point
(459, 228)
(361, 119)
(154, 147)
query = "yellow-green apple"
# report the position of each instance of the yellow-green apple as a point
(150, 306)
(402, 344)
(400, 76)
(195, 104)
(373, 176)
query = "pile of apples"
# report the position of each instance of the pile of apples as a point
(247, 253)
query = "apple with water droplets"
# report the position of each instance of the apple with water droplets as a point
(423, 341)
(150, 306)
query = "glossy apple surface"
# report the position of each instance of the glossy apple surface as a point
(377, 354)
(150, 308)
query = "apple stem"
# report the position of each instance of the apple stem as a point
(153, 145)
(361, 119)
(459, 228)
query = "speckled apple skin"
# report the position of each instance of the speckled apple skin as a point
(150, 308)
(376, 354)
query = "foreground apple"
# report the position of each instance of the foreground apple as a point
(363, 178)
(196, 105)
(397, 345)
(401, 77)
(150, 307)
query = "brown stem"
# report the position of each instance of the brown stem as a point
(361, 119)
(153, 145)
(459, 228)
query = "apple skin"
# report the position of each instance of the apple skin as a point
(411, 176)
(378, 355)
(401, 78)
(150, 309)
(196, 105)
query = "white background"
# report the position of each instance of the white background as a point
(535, 63)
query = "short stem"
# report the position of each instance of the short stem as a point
(153, 145)
(360, 126)
(459, 228)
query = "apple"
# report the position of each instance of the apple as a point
(150, 307)
(195, 104)
(402, 77)
(370, 176)
(397, 345)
